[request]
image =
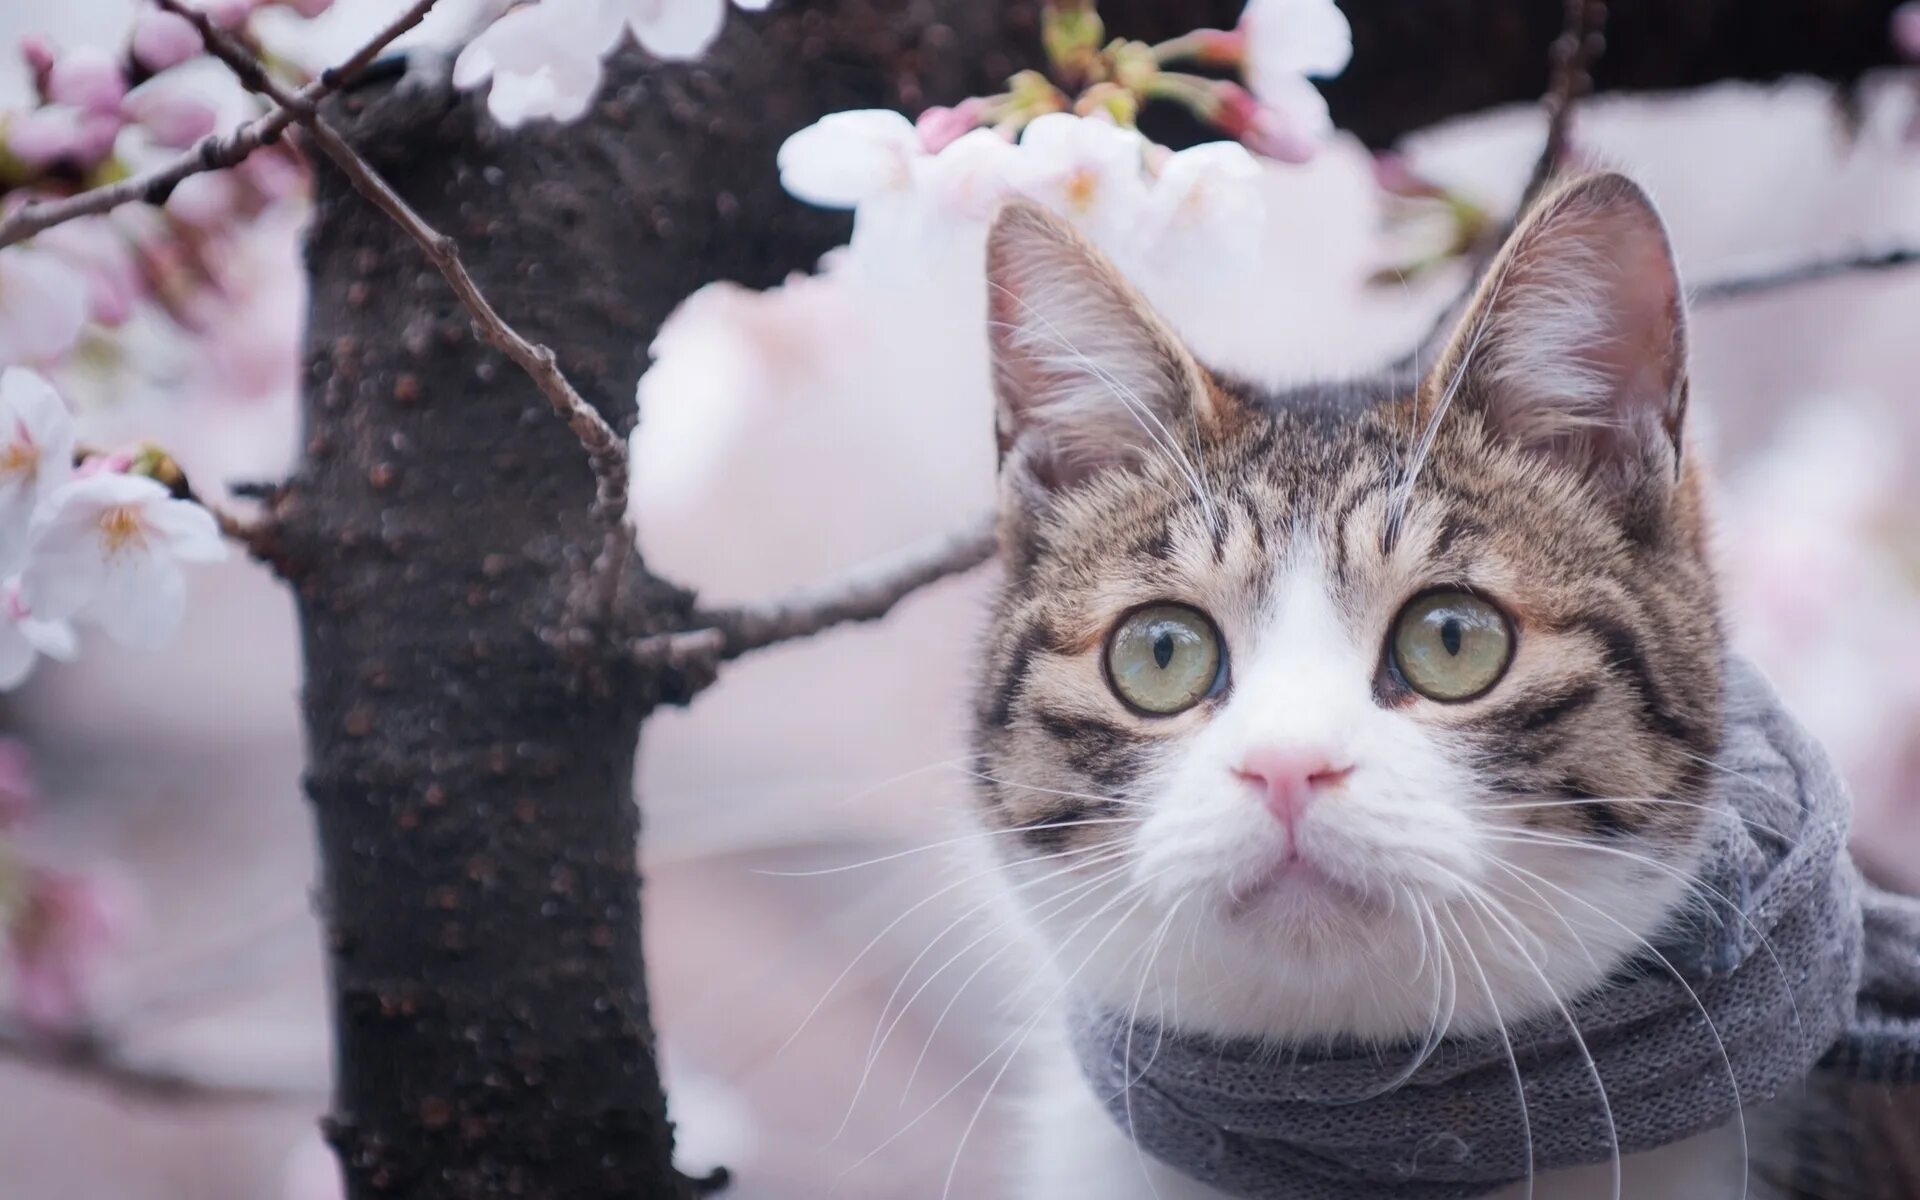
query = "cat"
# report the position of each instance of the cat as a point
(1283, 688)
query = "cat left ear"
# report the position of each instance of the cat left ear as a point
(1575, 345)
(1087, 377)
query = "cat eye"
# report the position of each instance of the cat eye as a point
(1450, 646)
(1165, 658)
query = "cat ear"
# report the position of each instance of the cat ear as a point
(1575, 345)
(1086, 376)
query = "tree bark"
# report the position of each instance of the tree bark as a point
(470, 771)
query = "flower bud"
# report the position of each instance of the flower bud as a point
(163, 39)
(87, 78)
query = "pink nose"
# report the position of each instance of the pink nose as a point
(1289, 779)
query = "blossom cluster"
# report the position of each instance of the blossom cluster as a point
(544, 58)
(55, 924)
(101, 115)
(99, 543)
(913, 185)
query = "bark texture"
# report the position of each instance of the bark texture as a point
(470, 771)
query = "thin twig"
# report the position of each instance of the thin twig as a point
(211, 153)
(1737, 286)
(92, 1055)
(606, 451)
(865, 595)
(1574, 52)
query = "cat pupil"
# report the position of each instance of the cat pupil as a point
(1163, 650)
(1449, 636)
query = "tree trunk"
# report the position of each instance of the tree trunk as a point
(471, 779)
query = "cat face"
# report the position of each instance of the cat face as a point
(1371, 710)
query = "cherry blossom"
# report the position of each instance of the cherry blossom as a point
(1286, 40)
(544, 59)
(106, 550)
(1906, 29)
(1085, 168)
(1205, 205)
(170, 112)
(23, 641)
(36, 456)
(163, 39)
(847, 158)
(1290, 132)
(62, 134)
(87, 78)
(61, 924)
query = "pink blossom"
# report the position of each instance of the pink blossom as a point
(102, 254)
(19, 796)
(309, 8)
(87, 78)
(274, 177)
(43, 304)
(117, 463)
(36, 457)
(170, 113)
(39, 56)
(205, 200)
(939, 126)
(228, 14)
(1906, 29)
(62, 133)
(163, 39)
(1290, 134)
(62, 927)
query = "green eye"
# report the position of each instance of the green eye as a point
(1165, 659)
(1451, 646)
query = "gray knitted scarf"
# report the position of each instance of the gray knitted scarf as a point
(1819, 971)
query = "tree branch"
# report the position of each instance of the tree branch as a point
(866, 594)
(212, 153)
(1573, 54)
(606, 450)
(1735, 287)
(94, 1056)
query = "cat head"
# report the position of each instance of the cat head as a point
(1350, 710)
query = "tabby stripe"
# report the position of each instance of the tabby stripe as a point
(1551, 710)
(1033, 640)
(1624, 658)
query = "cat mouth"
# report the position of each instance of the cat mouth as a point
(1295, 886)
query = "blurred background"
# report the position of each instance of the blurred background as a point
(834, 1028)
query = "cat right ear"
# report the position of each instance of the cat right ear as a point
(1087, 377)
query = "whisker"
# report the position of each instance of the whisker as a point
(1573, 1026)
(1733, 1079)
(940, 845)
(1717, 810)
(1537, 838)
(1500, 1024)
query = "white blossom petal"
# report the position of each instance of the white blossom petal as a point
(141, 600)
(191, 533)
(675, 28)
(1299, 37)
(846, 158)
(36, 455)
(1085, 168)
(544, 59)
(968, 180)
(106, 549)
(43, 305)
(1206, 206)
(23, 639)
